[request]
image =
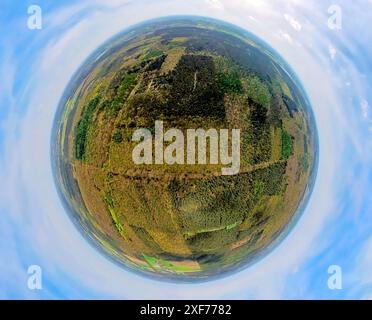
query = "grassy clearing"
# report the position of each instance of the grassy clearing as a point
(153, 54)
(109, 201)
(164, 265)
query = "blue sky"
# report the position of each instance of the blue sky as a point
(335, 68)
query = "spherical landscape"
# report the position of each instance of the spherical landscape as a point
(184, 221)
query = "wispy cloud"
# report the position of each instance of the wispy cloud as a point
(332, 51)
(365, 109)
(293, 22)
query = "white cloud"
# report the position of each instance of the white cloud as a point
(332, 51)
(365, 109)
(360, 275)
(253, 18)
(285, 36)
(217, 4)
(293, 22)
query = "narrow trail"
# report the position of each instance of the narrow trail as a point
(161, 174)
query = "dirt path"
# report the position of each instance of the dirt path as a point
(158, 174)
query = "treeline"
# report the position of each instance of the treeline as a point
(259, 133)
(83, 127)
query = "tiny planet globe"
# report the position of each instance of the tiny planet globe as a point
(154, 89)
